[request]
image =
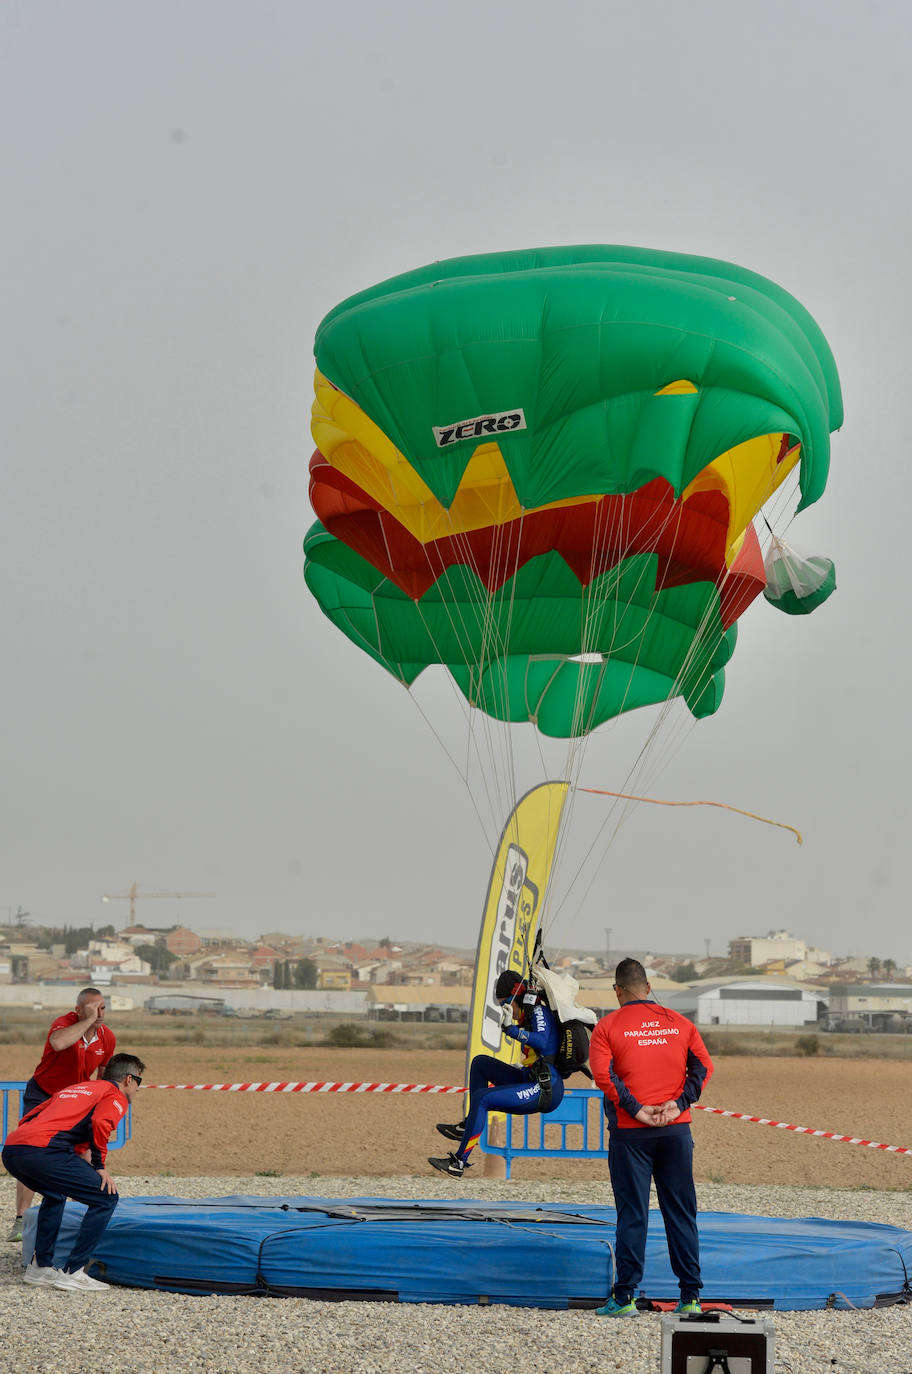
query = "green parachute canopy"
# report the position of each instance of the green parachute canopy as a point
(640, 646)
(503, 407)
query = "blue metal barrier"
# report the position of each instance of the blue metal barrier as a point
(540, 1137)
(12, 1110)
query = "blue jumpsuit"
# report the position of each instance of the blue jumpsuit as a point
(498, 1087)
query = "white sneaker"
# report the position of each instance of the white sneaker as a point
(40, 1274)
(77, 1283)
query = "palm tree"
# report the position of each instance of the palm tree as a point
(873, 965)
(889, 968)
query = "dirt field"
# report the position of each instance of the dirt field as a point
(384, 1135)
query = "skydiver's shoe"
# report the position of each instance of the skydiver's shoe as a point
(452, 1132)
(15, 1230)
(617, 1309)
(690, 1308)
(452, 1165)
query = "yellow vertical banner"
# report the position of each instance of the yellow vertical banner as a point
(519, 881)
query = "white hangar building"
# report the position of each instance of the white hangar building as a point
(751, 1003)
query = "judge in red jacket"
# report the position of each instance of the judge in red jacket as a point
(651, 1064)
(44, 1154)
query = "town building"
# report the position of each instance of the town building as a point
(182, 942)
(870, 1006)
(230, 968)
(143, 935)
(758, 950)
(333, 976)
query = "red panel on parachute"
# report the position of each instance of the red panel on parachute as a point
(688, 537)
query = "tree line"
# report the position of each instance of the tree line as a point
(291, 973)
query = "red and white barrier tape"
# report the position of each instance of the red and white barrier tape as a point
(437, 1088)
(806, 1130)
(309, 1087)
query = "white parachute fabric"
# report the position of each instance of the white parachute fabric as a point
(561, 992)
(795, 582)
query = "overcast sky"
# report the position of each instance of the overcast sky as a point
(189, 186)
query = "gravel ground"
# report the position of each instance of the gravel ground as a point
(141, 1332)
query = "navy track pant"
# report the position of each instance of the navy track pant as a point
(33, 1096)
(498, 1087)
(57, 1175)
(668, 1159)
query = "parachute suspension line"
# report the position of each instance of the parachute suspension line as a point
(373, 597)
(429, 723)
(697, 665)
(610, 546)
(612, 540)
(510, 570)
(611, 543)
(622, 810)
(458, 626)
(601, 846)
(489, 827)
(782, 499)
(488, 741)
(495, 627)
(652, 761)
(651, 758)
(645, 572)
(783, 506)
(782, 495)
(382, 516)
(490, 830)
(594, 608)
(599, 843)
(590, 634)
(479, 733)
(598, 599)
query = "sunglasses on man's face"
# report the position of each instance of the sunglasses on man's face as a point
(137, 1081)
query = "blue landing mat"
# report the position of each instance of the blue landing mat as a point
(547, 1255)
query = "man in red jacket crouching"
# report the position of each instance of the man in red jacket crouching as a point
(651, 1064)
(45, 1153)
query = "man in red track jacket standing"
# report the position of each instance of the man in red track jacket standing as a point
(77, 1044)
(651, 1064)
(43, 1152)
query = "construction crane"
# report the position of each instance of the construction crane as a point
(135, 895)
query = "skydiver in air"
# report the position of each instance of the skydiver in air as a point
(534, 1086)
